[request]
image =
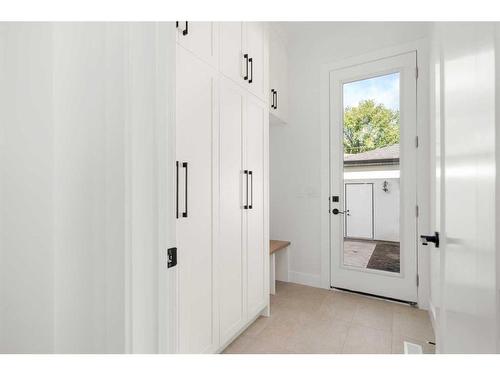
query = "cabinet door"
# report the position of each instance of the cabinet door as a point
(195, 120)
(202, 39)
(274, 74)
(256, 47)
(278, 78)
(232, 61)
(231, 256)
(256, 123)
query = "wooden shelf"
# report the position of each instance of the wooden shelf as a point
(275, 245)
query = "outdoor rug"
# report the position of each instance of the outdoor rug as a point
(385, 257)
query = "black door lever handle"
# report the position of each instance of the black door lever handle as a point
(336, 211)
(434, 239)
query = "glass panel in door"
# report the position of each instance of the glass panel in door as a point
(371, 137)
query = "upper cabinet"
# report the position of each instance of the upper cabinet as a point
(278, 79)
(233, 62)
(200, 38)
(256, 47)
(244, 55)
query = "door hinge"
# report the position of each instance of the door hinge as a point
(418, 280)
(416, 72)
(416, 141)
(416, 210)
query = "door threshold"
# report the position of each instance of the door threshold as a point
(410, 303)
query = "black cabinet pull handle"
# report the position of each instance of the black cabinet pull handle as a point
(185, 213)
(276, 100)
(185, 31)
(177, 190)
(251, 189)
(245, 56)
(176, 24)
(272, 98)
(251, 70)
(246, 190)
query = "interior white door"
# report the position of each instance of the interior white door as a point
(358, 203)
(231, 275)
(256, 123)
(469, 226)
(195, 119)
(401, 284)
(201, 38)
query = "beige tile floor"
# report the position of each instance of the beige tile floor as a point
(312, 320)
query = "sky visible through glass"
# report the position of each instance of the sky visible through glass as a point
(383, 90)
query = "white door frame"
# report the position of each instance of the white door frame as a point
(167, 304)
(423, 191)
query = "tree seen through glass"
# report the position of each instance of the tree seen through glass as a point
(371, 114)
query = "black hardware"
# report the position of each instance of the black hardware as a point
(272, 98)
(251, 189)
(245, 56)
(246, 205)
(251, 70)
(385, 186)
(171, 257)
(186, 30)
(185, 213)
(434, 239)
(177, 190)
(335, 198)
(336, 211)
(274, 104)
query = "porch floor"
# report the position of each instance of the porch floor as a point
(372, 254)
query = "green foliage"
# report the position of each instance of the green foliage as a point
(369, 126)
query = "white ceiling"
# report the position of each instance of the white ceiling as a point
(291, 31)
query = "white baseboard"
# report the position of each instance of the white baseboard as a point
(305, 279)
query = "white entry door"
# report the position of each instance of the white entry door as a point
(358, 203)
(372, 138)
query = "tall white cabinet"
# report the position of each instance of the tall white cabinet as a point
(196, 92)
(256, 125)
(222, 181)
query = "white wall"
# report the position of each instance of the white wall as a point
(26, 190)
(295, 148)
(79, 234)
